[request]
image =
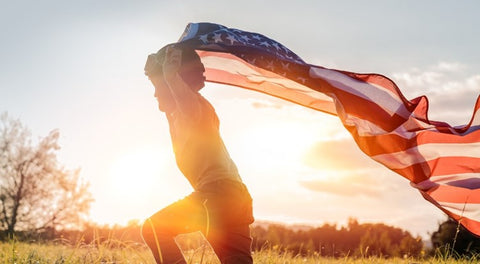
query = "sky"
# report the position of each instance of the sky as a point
(77, 66)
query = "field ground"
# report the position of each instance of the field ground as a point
(119, 252)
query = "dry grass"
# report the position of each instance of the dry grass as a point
(121, 252)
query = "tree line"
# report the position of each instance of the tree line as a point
(356, 239)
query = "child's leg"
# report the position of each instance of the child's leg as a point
(159, 231)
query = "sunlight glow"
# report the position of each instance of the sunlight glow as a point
(134, 172)
(274, 144)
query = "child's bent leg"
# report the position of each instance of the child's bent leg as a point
(159, 231)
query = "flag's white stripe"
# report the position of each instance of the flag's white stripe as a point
(366, 128)
(462, 180)
(447, 178)
(233, 66)
(385, 99)
(426, 152)
(468, 210)
(407, 130)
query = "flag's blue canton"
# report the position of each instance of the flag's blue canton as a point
(257, 50)
(235, 37)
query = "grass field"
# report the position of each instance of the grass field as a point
(120, 252)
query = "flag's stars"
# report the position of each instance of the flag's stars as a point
(302, 79)
(257, 37)
(217, 37)
(232, 39)
(275, 44)
(265, 43)
(279, 55)
(287, 51)
(270, 65)
(285, 66)
(245, 38)
(252, 61)
(204, 38)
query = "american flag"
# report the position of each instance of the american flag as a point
(441, 161)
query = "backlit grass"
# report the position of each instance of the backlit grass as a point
(121, 252)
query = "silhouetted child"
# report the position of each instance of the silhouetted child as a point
(220, 206)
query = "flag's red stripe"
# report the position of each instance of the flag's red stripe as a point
(383, 144)
(439, 167)
(361, 107)
(470, 224)
(390, 143)
(416, 173)
(454, 194)
(435, 137)
(454, 165)
(368, 110)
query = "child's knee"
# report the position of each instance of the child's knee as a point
(155, 231)
(147, 230)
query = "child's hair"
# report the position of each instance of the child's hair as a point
(189, 55)
(154, 64)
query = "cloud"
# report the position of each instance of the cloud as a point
(473, 83)
(346, 171)
(450, 66)
(419, 79)
(450, 88)
(369, 196)
(353, 185)
(368, 182)
(340, 154)
(442, 77)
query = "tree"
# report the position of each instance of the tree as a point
(36, 192)
(454, 238)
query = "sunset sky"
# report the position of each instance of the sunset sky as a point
(77, 66)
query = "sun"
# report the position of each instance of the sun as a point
(138, 182)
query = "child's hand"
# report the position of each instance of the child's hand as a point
(172, 63)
